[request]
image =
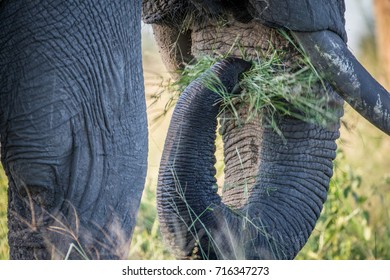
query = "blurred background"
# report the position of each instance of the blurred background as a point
(355, 221)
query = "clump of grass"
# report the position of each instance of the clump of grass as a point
(275, 89)
(272, 88)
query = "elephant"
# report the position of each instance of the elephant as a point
(274, 186)
(73, 126)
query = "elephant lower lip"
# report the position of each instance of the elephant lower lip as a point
(331, 57)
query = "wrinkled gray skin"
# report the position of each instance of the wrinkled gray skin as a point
(274, 186)
(73, 126)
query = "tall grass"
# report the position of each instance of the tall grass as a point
(4, 251)
(147, 242)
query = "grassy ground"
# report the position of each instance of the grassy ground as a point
(354, 222)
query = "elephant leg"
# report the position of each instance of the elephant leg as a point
(73, 126)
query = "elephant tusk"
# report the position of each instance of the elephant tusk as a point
(332, 59)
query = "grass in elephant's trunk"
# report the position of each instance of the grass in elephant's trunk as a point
(271, 88)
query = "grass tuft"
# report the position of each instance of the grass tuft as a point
(271, 88)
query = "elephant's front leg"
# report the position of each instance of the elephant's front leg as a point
(73, 126)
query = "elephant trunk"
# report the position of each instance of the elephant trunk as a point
(277, 213)
(332, 59)
(186, 190)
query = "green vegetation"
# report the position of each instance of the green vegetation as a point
(3, 216)
(271, 87)
(354, 221)
(147, 243)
